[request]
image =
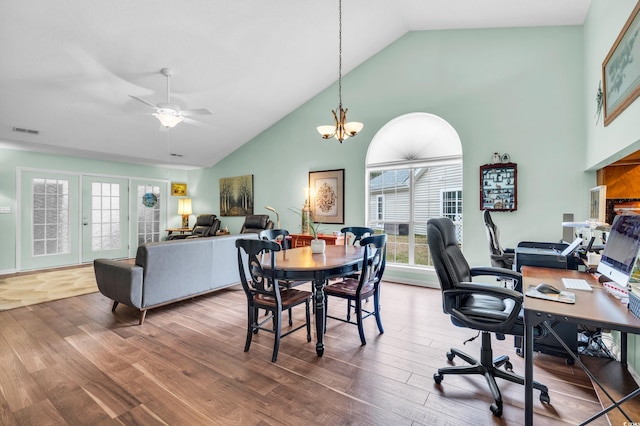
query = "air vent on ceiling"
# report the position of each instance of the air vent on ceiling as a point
(29, 131)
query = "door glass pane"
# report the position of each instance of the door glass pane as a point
(148, 197)
(104, 214)
(50, 216)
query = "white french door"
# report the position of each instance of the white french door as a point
(49, 220)
(68, 219)
(105, 218)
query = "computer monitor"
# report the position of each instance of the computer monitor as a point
(620, 252)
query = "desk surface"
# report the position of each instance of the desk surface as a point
(596, 308)
(591, 308)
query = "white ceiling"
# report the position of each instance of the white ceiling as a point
(69, 66)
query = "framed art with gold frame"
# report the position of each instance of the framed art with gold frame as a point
(178, 189)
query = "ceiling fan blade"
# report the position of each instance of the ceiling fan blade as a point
(197, 123)
(201, 111)
(143, 101)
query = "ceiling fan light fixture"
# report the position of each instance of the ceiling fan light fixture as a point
(168, 119)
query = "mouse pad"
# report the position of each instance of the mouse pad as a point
(564, 296)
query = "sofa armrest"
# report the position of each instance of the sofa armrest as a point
(119, 281)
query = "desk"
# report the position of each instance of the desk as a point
(597, 309)
(300, 264)
(303, 240)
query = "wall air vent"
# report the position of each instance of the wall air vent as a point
(176, 155)
(29, 131)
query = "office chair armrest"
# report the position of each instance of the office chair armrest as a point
(500, 273)
(484, 318)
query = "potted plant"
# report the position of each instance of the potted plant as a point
(317, 245)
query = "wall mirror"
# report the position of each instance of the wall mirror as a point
(499, 187)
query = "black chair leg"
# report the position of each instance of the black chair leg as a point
(277, 320)
(250, 328)
(359, 320)
(376, 303)
(489, 367)
(308, 316)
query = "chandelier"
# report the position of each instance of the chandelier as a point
(340, 129)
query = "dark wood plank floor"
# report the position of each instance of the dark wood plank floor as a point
(75, 362)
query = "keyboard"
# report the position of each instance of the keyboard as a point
(576, 284)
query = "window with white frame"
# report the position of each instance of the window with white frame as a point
(414, 173)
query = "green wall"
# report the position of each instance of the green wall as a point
(518, 91)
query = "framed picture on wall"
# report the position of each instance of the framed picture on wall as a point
(236, 196)
(326, 196)
(178, 189)
(620, 72)
(499, 187)
(598, 204)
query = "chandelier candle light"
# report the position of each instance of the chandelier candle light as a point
(340, 130)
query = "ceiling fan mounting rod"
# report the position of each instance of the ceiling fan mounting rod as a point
(167, 72)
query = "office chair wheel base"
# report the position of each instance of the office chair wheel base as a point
(450, 356)
(570, 361)
(497, 411)
(544, 397)
(508, 366)
(438, 378)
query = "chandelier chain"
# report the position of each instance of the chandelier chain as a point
(340, 53)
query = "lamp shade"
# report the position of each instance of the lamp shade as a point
(184, 206)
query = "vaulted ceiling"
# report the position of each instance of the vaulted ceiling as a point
(70, 67)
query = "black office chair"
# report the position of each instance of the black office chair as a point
(500, 258)
(367, 285)
(487, 308)
(263, 292)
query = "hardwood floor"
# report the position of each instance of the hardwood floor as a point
(73, 361)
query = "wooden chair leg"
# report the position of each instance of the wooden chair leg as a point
(308, 316)
(143, 315)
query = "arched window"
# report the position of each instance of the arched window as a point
(414, 172)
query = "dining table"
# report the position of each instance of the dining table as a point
(302, 265)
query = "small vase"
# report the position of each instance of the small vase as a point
(317, 246)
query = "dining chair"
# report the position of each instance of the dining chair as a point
(356, 233)
(355, 290)
(263, 292)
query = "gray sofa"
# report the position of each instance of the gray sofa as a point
(169, 271)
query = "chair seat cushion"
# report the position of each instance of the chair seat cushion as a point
(348, 288)
(489, 308)
(290, 297)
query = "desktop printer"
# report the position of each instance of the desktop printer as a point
(547, 255)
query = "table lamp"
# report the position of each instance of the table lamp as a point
(184, 209)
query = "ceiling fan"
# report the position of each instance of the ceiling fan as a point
(170, 114)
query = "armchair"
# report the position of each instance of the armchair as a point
(255, 223)
(487, 308)
(206, 226)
